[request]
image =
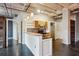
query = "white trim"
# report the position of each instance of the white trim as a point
(75, 29)
(7, 31)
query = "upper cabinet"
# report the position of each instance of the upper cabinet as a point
(41, 23)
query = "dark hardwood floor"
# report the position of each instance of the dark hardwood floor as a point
(64, 50)
(59, 49)
(18, 50)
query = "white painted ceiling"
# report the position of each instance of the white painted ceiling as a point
(51, 8)
(12, 8)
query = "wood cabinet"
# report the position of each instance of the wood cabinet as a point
(36, 24)
(40, 23)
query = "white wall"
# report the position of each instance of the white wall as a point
(58, 30)
(21, 16)
(14, 30)
(65, 26)
(62, 27)
(42, 17)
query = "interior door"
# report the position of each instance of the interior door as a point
(2, 32)
(10, 33)
(72, 32)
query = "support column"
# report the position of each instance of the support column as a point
(66, 26)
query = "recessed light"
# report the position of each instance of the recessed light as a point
(28, 17)
(42, 11)
(38, 11)
(32, 14)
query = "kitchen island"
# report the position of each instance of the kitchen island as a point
(38, 45)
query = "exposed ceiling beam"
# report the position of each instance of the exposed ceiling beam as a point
(27, 7)
(43, 7)
(13, 8)
(6, 9)
(60, 5)
(48, 7)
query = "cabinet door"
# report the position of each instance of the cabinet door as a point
(47, 47)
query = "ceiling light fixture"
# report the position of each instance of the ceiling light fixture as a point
(42, 11)
(38, 11)
(28, 17)
(32, 14)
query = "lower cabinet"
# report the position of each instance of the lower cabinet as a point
(38, 46)
(47, 47)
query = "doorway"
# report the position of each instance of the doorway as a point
(10, 33)
(72, 32)
(52, 30)
(15, 33)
